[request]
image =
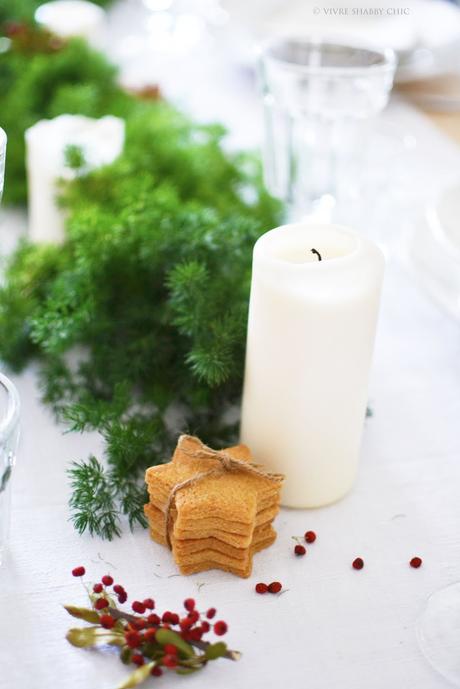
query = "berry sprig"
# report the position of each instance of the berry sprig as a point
(147, 639)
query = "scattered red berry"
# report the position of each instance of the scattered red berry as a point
(118, 589)
(149, 603)
(196, 634)
(310, 536)
(78, 572)
(149, 634)
(170, 649)
(261, 588)
(140, 623)
(300, 550)
(153, 619)
(205, 626)
(170, 661)
(97, 588)
(174, 618)
(137, 659)
(189, 604)
(133, 639)
(107, 580)
(416, 562)
(107, 621)
(275, 587)
(211, 613)
(122, 597)
(138, 607)
(358, 563)
(220, 628)
(156, 671)
(101, 603)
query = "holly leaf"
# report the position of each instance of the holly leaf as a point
(83, 613)
(138, 676)
(167, 636)
(214, 651)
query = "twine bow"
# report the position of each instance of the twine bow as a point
(227, 463)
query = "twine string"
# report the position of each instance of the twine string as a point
(227, 463)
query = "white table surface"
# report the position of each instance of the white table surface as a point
(334, 628)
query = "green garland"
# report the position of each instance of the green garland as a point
(143, 309)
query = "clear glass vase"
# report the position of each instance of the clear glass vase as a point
(9, 436)
(318, 100)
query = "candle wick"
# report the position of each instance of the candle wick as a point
(313, 251)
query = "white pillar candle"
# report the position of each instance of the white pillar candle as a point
(67, 18)
(310, 339)
(101, 141)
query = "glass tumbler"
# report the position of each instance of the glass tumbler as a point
(9, 436)
(318, 99)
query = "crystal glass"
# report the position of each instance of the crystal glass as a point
(9, 435)
(318, 101)
(438, 632)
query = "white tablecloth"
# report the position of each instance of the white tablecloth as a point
(333, 628)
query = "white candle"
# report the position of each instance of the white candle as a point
(310, 339)
(101, 141)
(67, 18)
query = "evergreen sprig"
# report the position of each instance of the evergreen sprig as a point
(139, 318)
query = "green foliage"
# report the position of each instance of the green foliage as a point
(23, 10)
(143, 309)
(42, 77)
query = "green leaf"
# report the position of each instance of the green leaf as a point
(138, 676)
(188, 670)
(214, 651)
(83, 613)
(167, 636)
(90, 636)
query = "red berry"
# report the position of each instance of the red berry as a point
(170, 649)
(153, 619)
(185, 623)
(358, 563)
(170, 661)
(107, 621)
(196, 633)
(78, 572)
(189, 604)
(194, 615)
(101, 603)
(140, 623)
(118, 589)
(138, 607)
(310, 536)
(149, 634)
(275, 587)
(149, 603)
(137, 659)
(173, 618)
(261, 588)
(205, 626)
(97, 588)
(211, 613)
(416, 562)
(133, 639)
(107, 580)
(122, 597)
(220, 628)
(300, 550)
(156, 671)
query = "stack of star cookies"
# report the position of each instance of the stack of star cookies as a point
(212, 512)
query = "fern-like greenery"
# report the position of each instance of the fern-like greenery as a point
(140, 316)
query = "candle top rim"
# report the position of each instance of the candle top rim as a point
(271, 240)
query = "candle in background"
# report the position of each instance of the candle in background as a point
(310, 339)
(67, 18)
(101, 142)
